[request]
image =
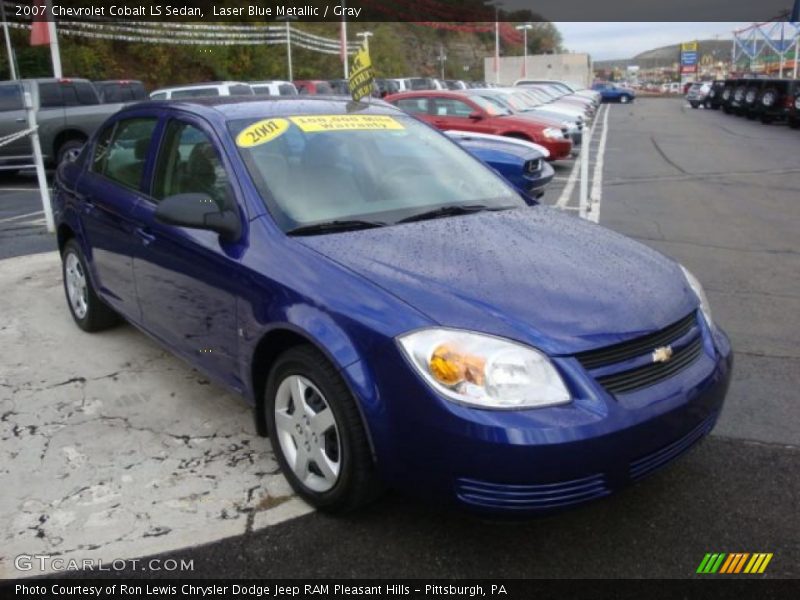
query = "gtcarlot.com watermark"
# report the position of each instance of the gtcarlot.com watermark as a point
(47, 564)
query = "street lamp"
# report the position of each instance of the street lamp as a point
(495, 4)
(365, 35)
(524, 27)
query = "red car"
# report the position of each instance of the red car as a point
(313, 86)
(447, 110)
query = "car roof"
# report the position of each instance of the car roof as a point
(205, 84)
(223, 108)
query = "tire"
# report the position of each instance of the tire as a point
(769, 97)
(707, 104)
(694, 105)
(69, 150)
(766, 119)
(87, 309)
(794, 123)
(624, 99)
(727, 109)
(351, 480)
(750, 115)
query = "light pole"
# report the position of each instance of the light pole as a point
(288, 44)
(11, 67)
(496, 45)
(524, 27)
(365, 35)
(442, 59)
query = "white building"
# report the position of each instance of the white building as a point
(573, 68)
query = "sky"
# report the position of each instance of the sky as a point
(606, 41)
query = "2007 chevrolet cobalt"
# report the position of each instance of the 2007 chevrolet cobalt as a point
(395, 312)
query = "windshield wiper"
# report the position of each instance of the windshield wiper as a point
(333, 226)
(451, 210)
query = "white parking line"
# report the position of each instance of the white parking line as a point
(566, 193)
(18, 217)
(597, 178)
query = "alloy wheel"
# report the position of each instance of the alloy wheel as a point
(308, 434)
(76, 286)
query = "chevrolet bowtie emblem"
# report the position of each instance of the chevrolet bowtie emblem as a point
(662, 354)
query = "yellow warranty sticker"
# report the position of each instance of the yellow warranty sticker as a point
(261, 132)
(314, 123)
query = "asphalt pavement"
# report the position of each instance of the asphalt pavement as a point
(720, 194)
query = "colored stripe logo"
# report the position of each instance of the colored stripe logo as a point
(735, 562)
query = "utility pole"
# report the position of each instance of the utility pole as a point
(442, 59)
(524, 27)
(55, 52)
(496, 45)
(288, 44)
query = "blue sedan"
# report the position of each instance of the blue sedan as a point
(522, 163)
(394, 311)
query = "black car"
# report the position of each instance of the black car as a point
(714, 98)
(776, 100)
(793, 115)
(752, 94)
(733, 95)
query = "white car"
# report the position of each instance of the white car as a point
(201, 90)
(273, 87)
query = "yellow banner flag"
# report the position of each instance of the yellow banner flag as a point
(361, 78)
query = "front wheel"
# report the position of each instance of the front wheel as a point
(317, 434)
(624, 99)
(694, 104)
(87, 309)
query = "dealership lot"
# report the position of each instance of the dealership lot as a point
(715, 192)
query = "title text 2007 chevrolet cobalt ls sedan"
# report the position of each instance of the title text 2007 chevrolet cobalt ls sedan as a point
(395, 312)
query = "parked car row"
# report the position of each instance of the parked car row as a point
(755, 98)
(544, 112)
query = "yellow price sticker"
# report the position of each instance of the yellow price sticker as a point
(316, 123)
(261, 132)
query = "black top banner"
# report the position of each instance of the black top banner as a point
(453, 11)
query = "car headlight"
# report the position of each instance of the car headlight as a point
(484, 371)
(553, 133)
(701, 295)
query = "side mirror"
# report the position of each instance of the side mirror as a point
(476, 115)
(199, 211)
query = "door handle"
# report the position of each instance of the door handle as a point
(146, 235)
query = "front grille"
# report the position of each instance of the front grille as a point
(647, 375)
(644, 375)
(610, 355)
(540, 496)
(660, 458)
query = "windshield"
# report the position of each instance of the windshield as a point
(321, 168)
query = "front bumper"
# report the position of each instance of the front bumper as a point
(540, 460)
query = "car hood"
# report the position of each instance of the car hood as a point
(532, 274)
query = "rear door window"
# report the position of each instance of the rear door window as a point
(121, 151)
(414, 106)
(240, 90)
(287, 89)
(50, 95)
(449, 107)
